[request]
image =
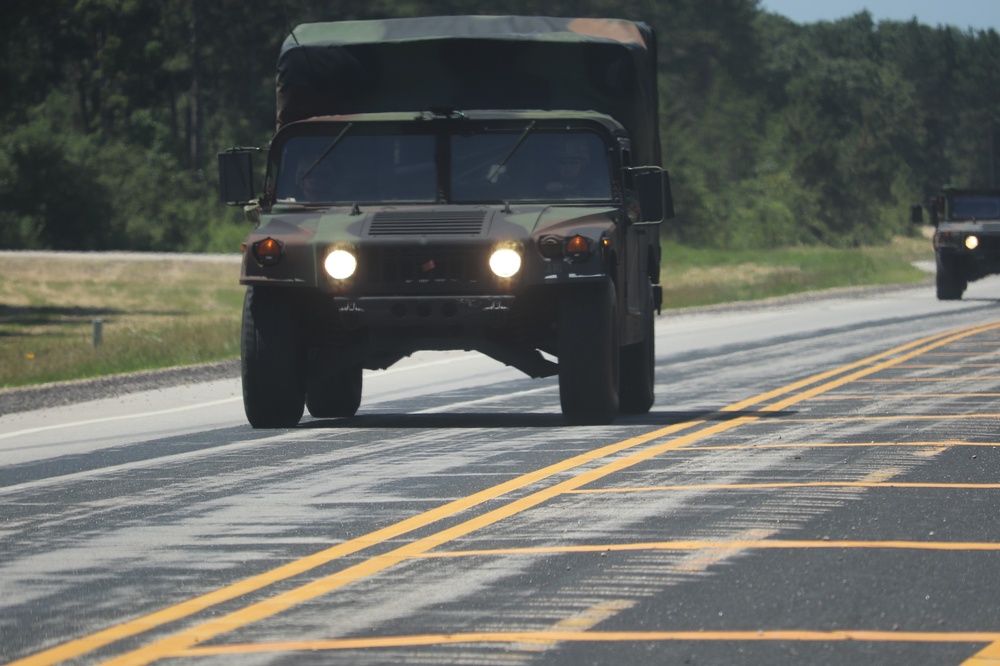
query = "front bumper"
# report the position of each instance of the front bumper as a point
(391, 311)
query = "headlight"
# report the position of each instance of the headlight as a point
(505, 262)
(340, 264)
(971, 242)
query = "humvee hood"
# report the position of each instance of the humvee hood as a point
(521, 222)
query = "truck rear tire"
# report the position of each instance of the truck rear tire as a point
(950, 285)
(588, 352)
(334, 394)
(638, 368)
(271, 361)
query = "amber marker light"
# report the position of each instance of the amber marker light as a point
(971, 242)
(577, 245)
(340, 264)
(267, 252)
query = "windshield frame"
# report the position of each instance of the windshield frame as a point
(513, 134)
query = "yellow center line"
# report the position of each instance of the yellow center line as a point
(529, 637)
(172, 645)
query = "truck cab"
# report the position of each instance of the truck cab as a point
(527, 234)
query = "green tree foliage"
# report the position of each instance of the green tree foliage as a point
(775, 133)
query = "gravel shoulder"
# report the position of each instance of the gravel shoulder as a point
(58, 394)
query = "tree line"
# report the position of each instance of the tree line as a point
(775, 134)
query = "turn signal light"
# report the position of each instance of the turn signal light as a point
(267, 252)
(577, 245)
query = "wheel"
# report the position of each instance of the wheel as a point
(638, 367)
(950, 285)
(333, 394)
(271, 360)
(587, 347)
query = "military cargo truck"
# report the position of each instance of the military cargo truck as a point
(490, 184)
(966, 238)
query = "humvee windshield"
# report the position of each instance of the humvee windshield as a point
(975, 208)
(484, 167)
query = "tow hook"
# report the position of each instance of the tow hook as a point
(496, 313)
(350, 314)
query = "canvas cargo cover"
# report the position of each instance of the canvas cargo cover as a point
(474, 62)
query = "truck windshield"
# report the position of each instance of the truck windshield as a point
(360, 168)
(545, 166)
(486, 167)
(975, 207)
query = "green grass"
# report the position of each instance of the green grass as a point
(692, 277)
(159, 313)
(154, 313)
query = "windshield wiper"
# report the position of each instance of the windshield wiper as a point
(498, 169)
(329, 149)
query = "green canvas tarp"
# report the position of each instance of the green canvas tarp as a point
(474, 63)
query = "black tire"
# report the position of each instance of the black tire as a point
(588, 354)
(950, 285)
(638, 368)
(271, 360)
(333, 394)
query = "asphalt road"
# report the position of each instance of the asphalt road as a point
(819, 482)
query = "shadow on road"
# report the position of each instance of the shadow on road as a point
(525, 420)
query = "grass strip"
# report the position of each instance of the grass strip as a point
(162, 312)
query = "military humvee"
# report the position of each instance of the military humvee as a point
(966, 238)
(474, 183)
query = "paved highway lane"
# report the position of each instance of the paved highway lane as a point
(818, 482)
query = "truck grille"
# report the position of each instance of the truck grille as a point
(427, 223)
(423, 270)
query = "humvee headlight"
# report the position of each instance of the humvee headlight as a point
(971, 242)
(505, 263)
(340, 264)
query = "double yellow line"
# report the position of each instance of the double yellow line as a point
(185, 639)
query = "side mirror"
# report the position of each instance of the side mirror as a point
(656, 201)
(668, 197)
(236, 176)
(917, 214)
(937, 207)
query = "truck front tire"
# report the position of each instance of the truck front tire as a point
(638, 368)
(950, 284)
(271, 361)
(588, 353)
